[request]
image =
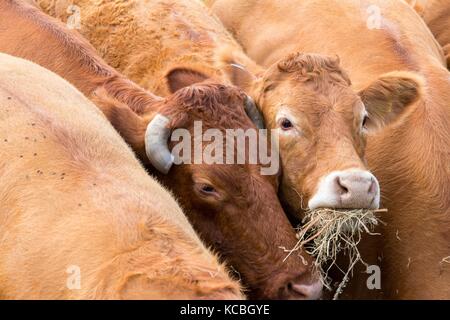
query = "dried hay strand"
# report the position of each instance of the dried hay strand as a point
(327, 232)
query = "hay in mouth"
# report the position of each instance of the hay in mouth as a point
(327, 232)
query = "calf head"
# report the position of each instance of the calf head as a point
(323, 125)
(234, 208)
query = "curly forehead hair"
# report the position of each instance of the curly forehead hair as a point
(216, 105)
(314, 68)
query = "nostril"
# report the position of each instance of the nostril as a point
(342, 188)
(295, 290)
(289, 287)
(300, 289)
(373, 186)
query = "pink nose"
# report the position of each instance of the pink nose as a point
(357, 190)
(350, 189)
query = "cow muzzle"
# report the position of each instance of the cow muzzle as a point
(349, 189)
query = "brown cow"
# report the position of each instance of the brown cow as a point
(151, 40)
(233, 208)
(411, 156)
(79, 216)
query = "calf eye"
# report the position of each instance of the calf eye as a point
(286, 124)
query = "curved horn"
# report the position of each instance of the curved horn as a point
(156, 138)
(253, 113)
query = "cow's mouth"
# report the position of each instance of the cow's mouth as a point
(325, 233)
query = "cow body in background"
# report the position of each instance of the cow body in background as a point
(80, 218)
(411, 156)
(162, 45)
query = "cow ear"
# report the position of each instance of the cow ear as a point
(183, 77)
(239, 69)
(240, 76)
(390, 96)
(130, 125)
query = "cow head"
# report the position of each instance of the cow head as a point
(323, 124)
(234, 208)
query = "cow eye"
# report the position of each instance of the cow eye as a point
(207, 189)
(286, 124)
(364, 123)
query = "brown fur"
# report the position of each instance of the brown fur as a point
(156, 34)
(166, 35)
(409, 158)
(418, 5)
(314, 68)
(167, 57)
(73, 194)
(436, 14)
(72, 57)
(315, 93)
(249, 244)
